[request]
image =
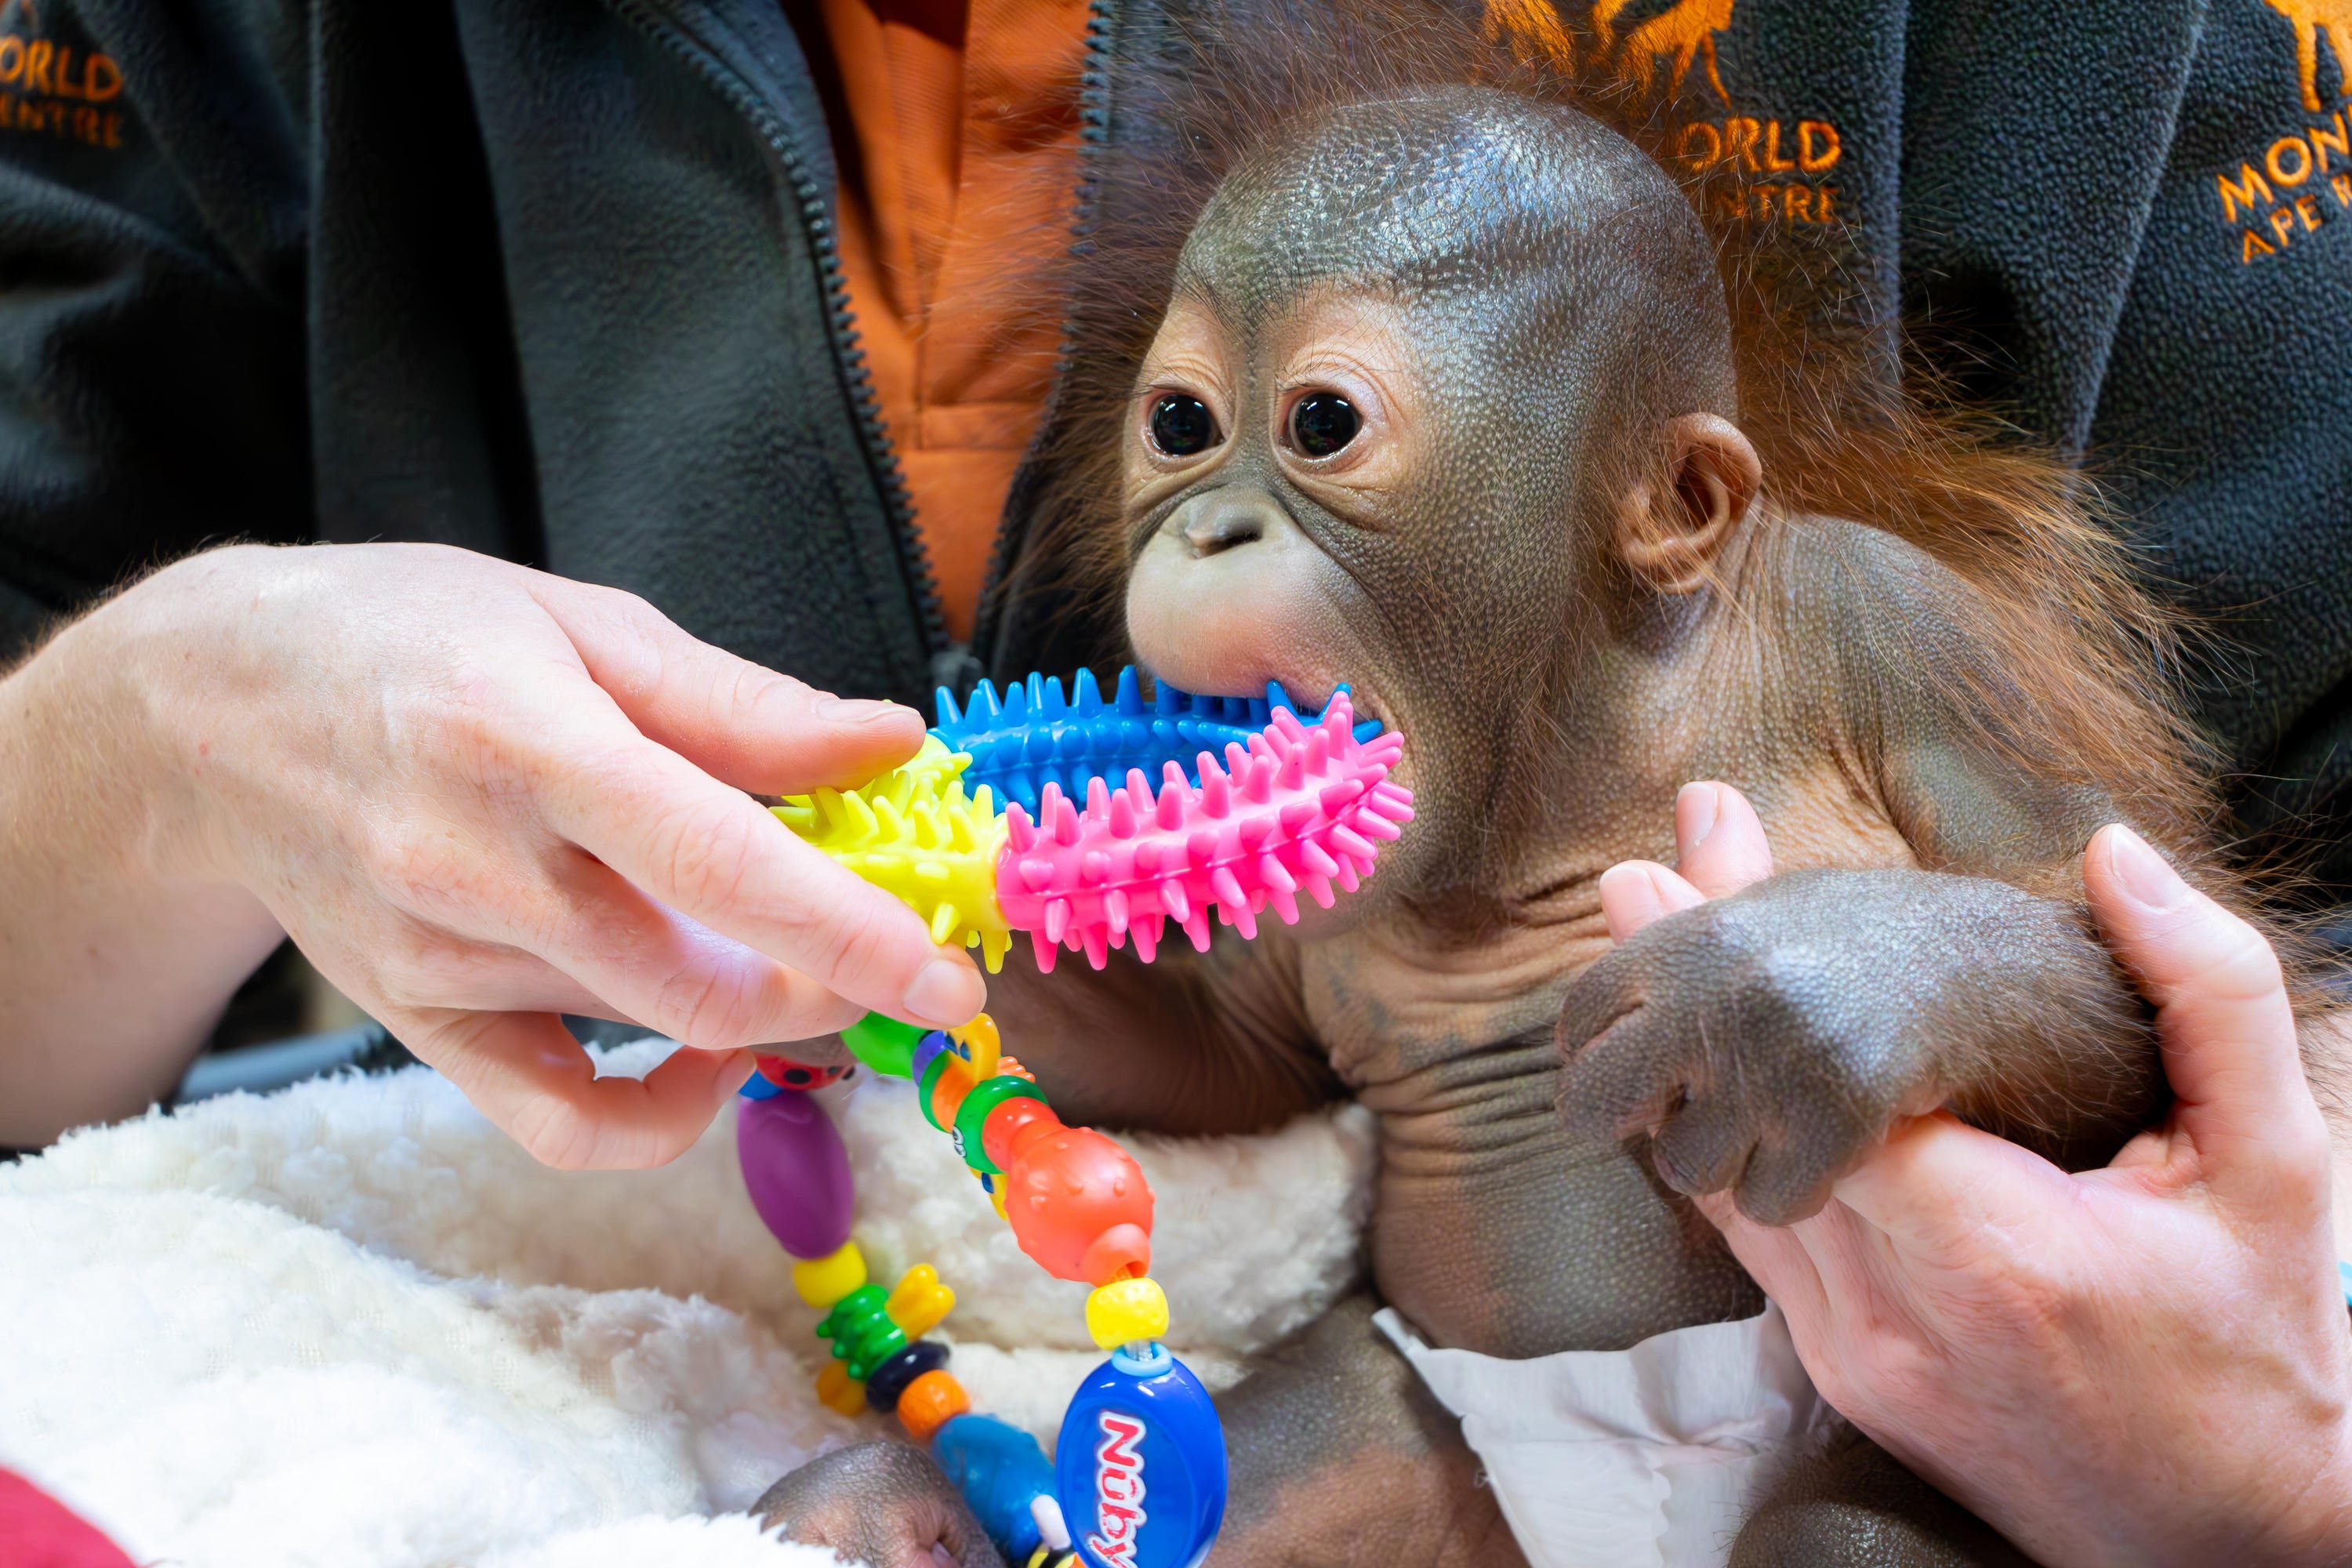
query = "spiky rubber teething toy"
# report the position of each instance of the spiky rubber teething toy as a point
(1293, 806)
(914, 833)
(1297, 809)
(1032, 736)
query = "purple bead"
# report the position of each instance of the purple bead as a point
(797, 1172)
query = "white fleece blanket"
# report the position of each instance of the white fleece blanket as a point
(350, 1324)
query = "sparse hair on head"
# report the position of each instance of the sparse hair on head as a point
(1561, 226)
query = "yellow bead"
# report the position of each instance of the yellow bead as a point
(822, 1281)
(1125, 1311)
(920, 1301)
(979, 1044)
(836, 1389)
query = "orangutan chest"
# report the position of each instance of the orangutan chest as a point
(1492, 1230)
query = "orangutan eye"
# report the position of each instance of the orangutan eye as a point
(1182, 425)
(1322, 423)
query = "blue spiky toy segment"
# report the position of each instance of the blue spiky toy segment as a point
(1032, 735)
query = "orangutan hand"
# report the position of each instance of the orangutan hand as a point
(2147, 1363)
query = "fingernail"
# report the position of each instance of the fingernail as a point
(856, 711)
(945, 993)
(1629, 898)
(1704, 804)
(2143, 875)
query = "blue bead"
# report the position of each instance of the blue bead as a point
(929, 1046)
(999, 1468)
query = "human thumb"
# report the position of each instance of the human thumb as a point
(1720, 844)
(2222, 1017)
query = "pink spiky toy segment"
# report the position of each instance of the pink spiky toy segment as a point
(1300, 809)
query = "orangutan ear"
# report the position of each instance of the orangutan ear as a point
(1670, 535)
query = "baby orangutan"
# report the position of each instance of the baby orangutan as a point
(1444, 405)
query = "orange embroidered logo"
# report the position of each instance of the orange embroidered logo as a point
(1757, 168)
(2267, 191)
(52, 88)
(2310, 18)
(1682, 33)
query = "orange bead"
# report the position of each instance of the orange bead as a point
(1001, 1132)
(930, 1402)
(836, 1389)
(1077, 1203)
(955, 1081)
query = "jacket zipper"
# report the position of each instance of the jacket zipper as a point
(1094, 135)
(816, 214)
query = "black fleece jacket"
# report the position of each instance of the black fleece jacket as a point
(554, 279)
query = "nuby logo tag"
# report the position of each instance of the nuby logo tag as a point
(1118, 1489)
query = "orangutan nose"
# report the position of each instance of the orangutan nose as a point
(1227, 517)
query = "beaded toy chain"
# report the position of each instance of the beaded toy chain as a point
(1138, 1479)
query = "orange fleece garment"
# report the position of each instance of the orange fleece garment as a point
(957, 176)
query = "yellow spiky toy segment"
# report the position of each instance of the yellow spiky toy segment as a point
(913, 832)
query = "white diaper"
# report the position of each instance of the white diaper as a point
(1647, 1457)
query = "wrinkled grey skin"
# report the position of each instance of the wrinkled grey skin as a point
(881, 1503)
(1518, 300)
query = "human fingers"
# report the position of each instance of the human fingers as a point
(751, 727)
(1720, 842)
(473, 977)
(2222, 1017)
(671, 973)
(1940, 1188)
(714, 854)
(1778, 1258)
(534, 1082)
(539, 925)
(1635, 892)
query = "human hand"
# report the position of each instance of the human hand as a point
(479, 797)
(2145, 1364)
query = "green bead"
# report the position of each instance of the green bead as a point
(884, 1044)
(862, 1331)
(865, 1302)
(873, 1350)
(985, 1097)
(931, 1082)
